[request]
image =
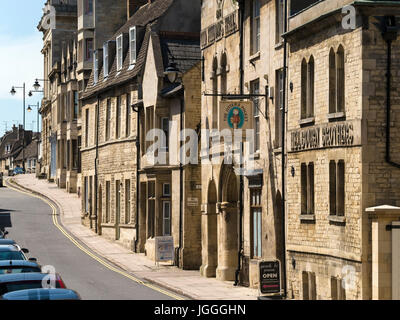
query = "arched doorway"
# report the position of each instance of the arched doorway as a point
(228, 225)
(209, 234)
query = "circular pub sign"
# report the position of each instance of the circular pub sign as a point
(235, 118)
(235, 115)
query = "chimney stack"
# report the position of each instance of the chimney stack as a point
(134, 5)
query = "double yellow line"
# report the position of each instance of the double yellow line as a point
(107, 265)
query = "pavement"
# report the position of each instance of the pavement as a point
(184, 282)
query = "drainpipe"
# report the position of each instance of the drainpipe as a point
(138, 150)
(96, 161)
(137, 177)
(389, 35)
(182, 107)
(240, 227)
(283, 151)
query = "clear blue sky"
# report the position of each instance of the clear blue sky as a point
(20, 59)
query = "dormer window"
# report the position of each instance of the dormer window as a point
(96, 67)
(105, 59)
(119, 52)
(132, 45)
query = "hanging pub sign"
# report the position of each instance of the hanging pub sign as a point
(236, 115)
(270, 277)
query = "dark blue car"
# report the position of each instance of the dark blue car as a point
(18, 266)
(33, 280)
(18, 170)
(42, 294)
(12, 252)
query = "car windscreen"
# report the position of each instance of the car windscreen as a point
(11, 255)
(22, 285)
(19, 269)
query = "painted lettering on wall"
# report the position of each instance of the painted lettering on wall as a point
(335, 135)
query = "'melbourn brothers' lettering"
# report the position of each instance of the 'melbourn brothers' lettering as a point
(336, 135)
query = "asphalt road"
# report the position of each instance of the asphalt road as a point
(29, 222)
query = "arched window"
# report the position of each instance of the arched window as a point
(332, 81)
(340, 79)
(307, 88)
(310, 88)
(303, 89)
(336, 81)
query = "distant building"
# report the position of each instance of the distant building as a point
(11, 146)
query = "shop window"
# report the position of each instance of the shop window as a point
(256, 222)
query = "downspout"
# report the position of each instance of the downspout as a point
(138, 150)
(96, 161)
(182, 106)
(283, 164)
(240, 226)
(389, 35)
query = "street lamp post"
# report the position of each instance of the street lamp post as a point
(13, 92)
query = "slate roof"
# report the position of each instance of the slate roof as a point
(31, 151)
(145, 15)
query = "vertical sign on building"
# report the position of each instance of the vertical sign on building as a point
(270, 277)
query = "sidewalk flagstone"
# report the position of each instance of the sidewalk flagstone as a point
(185, 282)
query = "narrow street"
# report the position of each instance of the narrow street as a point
(29, 222)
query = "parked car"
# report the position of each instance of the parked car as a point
(6, 241)
(23, 281)
(42, 294)
(18, 170)
(12, 252)
(18, 266)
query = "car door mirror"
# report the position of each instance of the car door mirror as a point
(32, 259)
(5, 233)
(24, 250)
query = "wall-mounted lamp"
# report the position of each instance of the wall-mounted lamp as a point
(291, 86)
(292, 171)
(293, 263)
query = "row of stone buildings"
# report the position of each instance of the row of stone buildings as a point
(19, 148)
(317, 77)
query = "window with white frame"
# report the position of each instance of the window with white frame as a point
(95, 67)
(166, 190)
(255, 89)
(255, 25)
(119, 52)
(132, 45)
(256, 224)
(165, 129)
(166, 218)
(105, 59)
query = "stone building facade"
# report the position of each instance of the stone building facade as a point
(234, 241)
(128, 80)
(58, 26)
(339, 163)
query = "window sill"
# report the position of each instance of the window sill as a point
(307, 121)
(255, 56)
(307, 218)
(336, 116)
(337, 219)
(277, 150)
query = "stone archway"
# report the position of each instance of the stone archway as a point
(228, 225)
(209, 234)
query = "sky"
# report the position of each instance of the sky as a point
(20, 60)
